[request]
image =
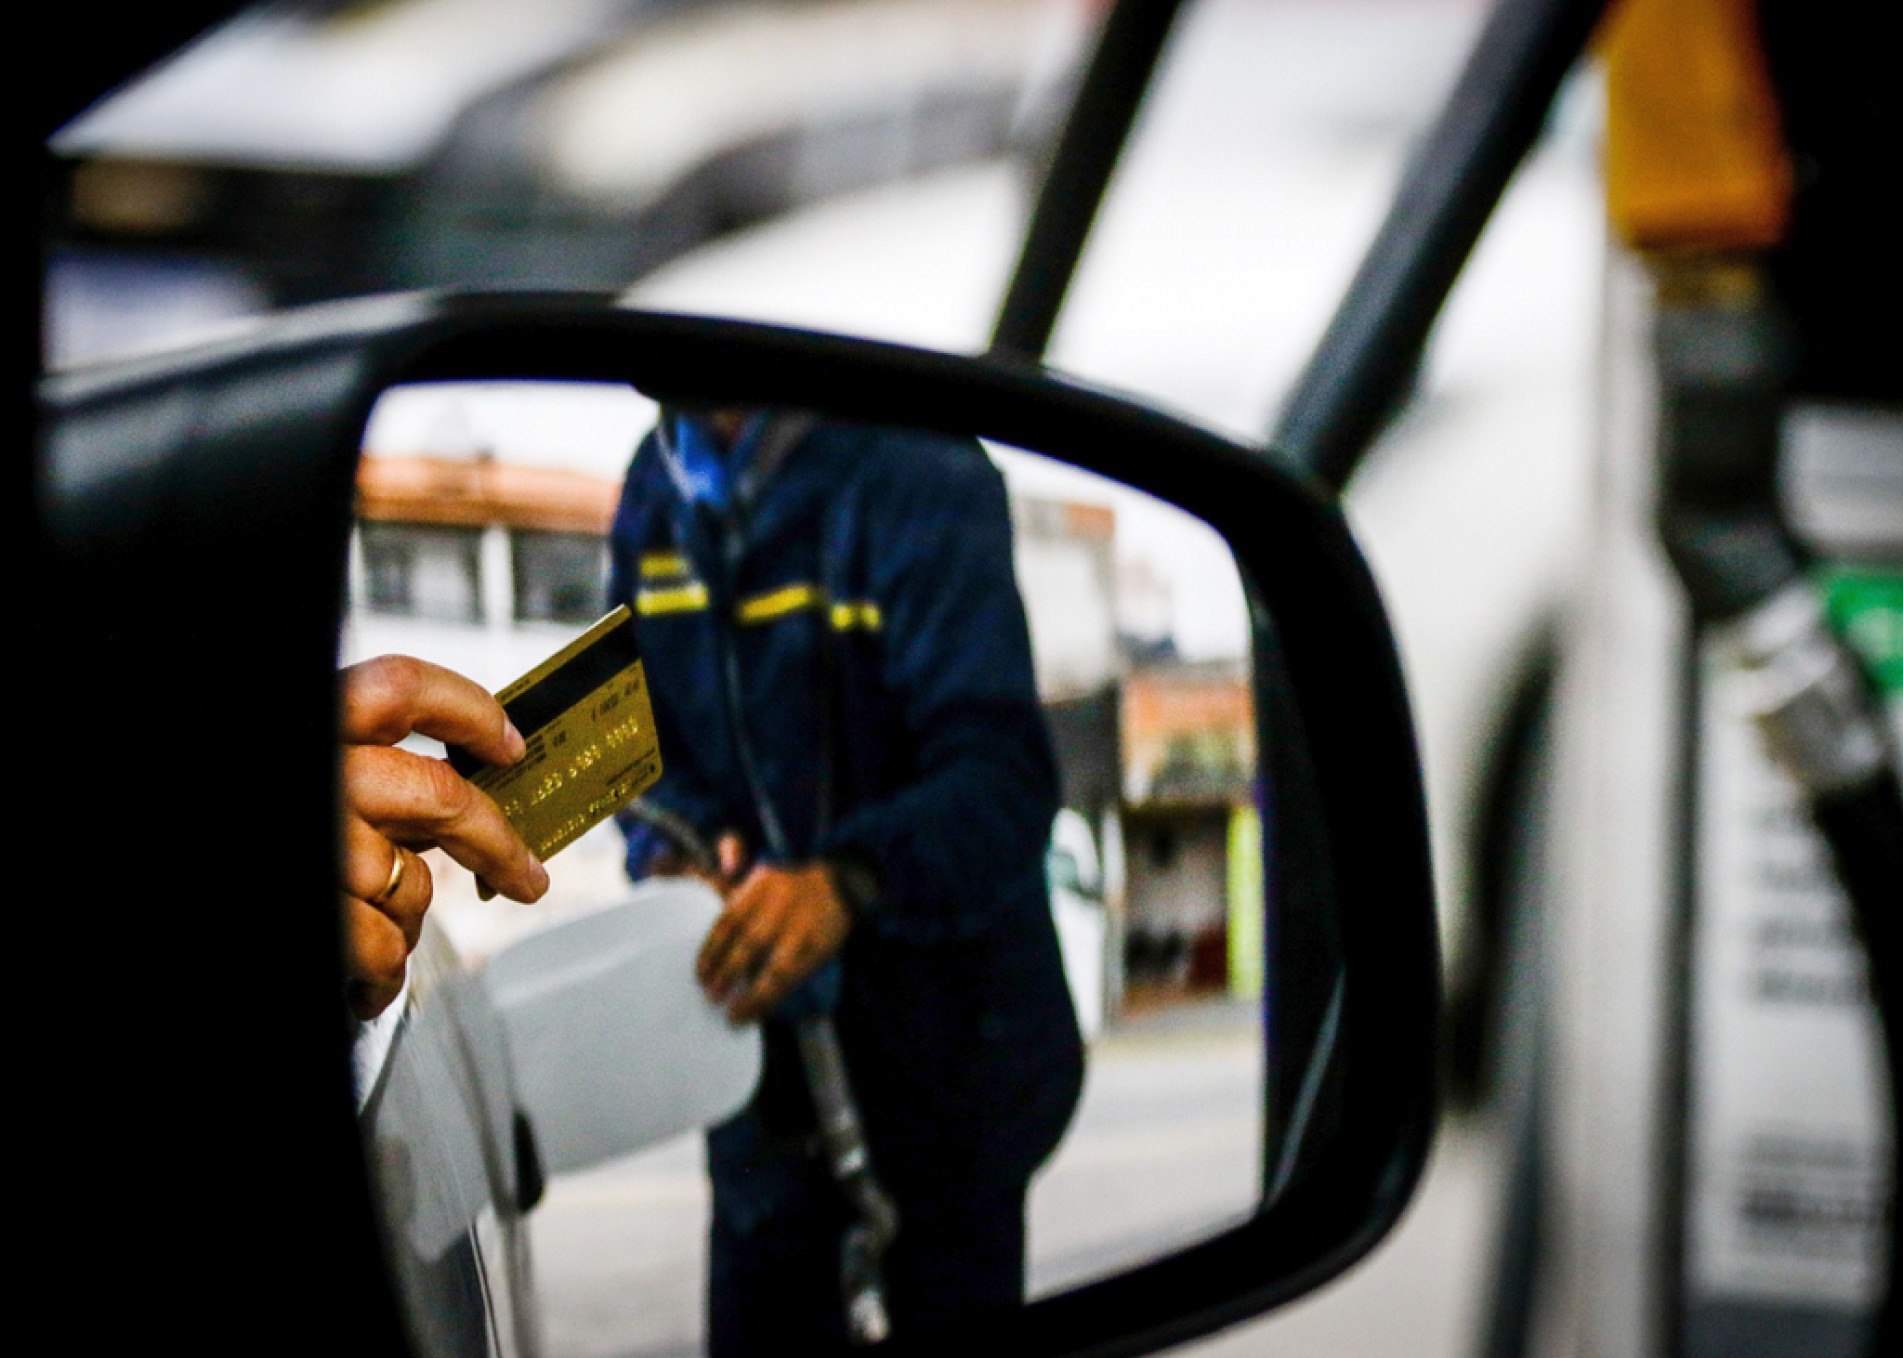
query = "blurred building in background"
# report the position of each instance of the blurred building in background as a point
(1191, 835)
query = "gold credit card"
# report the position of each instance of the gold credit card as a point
(585, 715)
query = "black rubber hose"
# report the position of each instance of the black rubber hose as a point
(1370, 350)
(1864, 830)
(1113, 88)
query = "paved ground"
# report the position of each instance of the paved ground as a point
(1163, 1150)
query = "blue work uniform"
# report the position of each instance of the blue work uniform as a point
(841, 669)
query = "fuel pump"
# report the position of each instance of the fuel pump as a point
(1730, 991)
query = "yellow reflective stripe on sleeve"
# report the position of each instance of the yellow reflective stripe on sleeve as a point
(863, 614)
(789, 599)
(686, 599)
(778, 603)
(658, 565)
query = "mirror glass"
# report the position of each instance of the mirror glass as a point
(1006, 702)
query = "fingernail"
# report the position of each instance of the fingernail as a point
(512, 741)
(541, 875)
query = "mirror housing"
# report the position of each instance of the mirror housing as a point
(157, 478)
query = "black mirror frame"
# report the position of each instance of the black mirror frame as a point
(156, 476)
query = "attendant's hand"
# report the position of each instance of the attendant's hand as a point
(780, 924)
(397, 803)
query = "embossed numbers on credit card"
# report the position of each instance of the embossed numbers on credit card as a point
(589, 726)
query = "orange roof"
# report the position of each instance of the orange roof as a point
(1188, 733)
(472, 493)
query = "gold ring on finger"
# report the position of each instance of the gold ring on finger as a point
(397, 866)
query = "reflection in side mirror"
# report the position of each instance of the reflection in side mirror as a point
(1007, 703)
(143, 465)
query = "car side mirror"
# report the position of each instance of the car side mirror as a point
(195, 518)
